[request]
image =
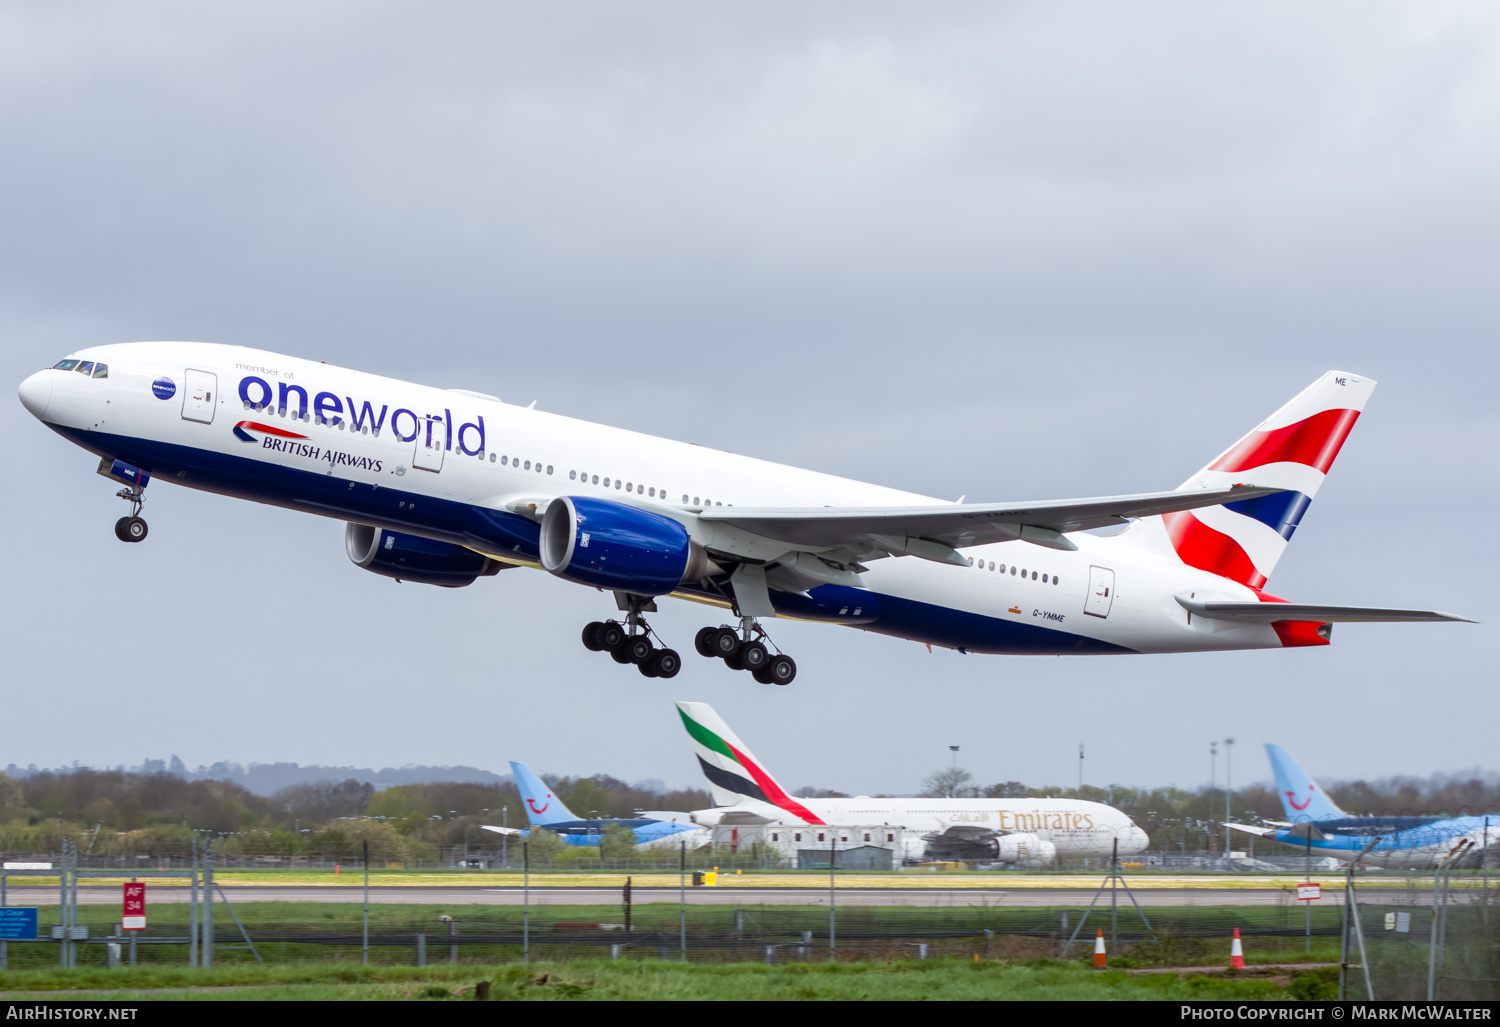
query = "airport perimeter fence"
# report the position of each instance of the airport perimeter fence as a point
(1433, 940)
(411, 926)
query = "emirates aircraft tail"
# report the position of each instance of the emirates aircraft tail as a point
(1292, 449)
(734, 774)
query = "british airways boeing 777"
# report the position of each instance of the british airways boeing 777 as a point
(445, 486)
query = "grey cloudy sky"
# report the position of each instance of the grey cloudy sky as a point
(1014, 250)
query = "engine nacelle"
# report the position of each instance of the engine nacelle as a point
(1025, 850)
(413, 558)
(617, 547)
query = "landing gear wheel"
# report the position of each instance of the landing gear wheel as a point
(130, 529)
(648, 671)
(640, 649)
(610, 635)
(591, 636)
(732, 661)
(763, 675)
(664, 663)
(780, 670)
(703, 641)
(752, 656)
(725, 642)
(620, 655)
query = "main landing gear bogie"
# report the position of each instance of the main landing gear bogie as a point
(739, 651)
(616, 639)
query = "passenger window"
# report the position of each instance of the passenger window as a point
(617, 484)
(684, 499)
(504, 461)
(629, 487)
(86, 368)
(65, 365)
(606, 481)
(101, 370)
(528, 465)
(992, 565)
(549, 468)
(1013, 570)
(653, 493)
(492, 458)
(695, 501)
(1033, 575)
(596, 480)
(572, 475)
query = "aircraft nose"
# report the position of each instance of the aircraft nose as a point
(36, 393)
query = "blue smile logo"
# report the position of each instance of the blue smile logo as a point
(164, 388)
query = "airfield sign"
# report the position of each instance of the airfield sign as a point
(17, 923)
(133, 916)
(1309, 892)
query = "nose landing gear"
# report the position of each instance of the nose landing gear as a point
(746, 649)
(132, 528)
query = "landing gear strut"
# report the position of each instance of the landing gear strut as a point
(631, 643)
(132, 528)
(746, 649)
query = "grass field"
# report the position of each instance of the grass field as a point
(293, 933)
(604, 980)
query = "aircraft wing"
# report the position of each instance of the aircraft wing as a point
(1265, 613)
(502, 830)
(935, 532)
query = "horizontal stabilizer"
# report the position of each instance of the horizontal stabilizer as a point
(1264, 832)
(1267, 613)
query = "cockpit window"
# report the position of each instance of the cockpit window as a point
(86, 368)
(101, 370)
(65, 365)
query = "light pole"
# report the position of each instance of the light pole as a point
(1080, 767)
(1228, 750)
(1213, 784)
(953, 778)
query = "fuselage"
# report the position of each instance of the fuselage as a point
(1415, 843)
(345, 444)
(1074, 827)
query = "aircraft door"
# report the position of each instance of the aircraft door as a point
(432, 435)
(198, 396)
(1101, 592)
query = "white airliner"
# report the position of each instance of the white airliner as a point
(446, 485)
(1023, 832)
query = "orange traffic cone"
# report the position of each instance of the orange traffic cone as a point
(1236, 953)
(1100, 957)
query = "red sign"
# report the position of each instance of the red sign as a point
(133, 917)
(1309, 892)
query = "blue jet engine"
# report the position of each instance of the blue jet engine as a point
(414, 558)
(618, 547)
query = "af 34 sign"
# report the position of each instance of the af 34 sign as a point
(133, 915)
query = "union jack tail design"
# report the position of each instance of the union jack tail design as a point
(1292, 449)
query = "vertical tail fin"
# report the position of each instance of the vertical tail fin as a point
(1300, 797)
(1292, 449)
(733, 772)
(542, 807)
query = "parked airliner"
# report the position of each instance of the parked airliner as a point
(1314, 823)
(1023, 832)
(444, 486)
(546, 811)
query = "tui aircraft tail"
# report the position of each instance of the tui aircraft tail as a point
(542, 807)
(734, 774)
(1293, 450)
(1300, 797)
